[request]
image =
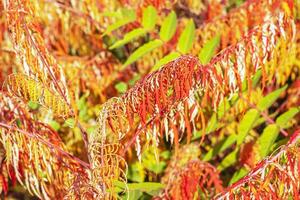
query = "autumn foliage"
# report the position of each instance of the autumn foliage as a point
(171, 99)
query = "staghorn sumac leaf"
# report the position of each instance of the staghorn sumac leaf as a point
(284, 118)
(213, 122)
(126, 16)
(222, 108)
(238, 175)
(267, 138)
(147, 187)
(252, 115)
(186, 38)
(141, 51)
(224, 144)
(229, 160)
(270, 133)
(31, 90)
(70, 122)
(279, 143)
(54, 124)
(246, 124)
(244, 127)
(149, 17)
(129, 37)
(275, 176)
(136, 172)
(134, 194)
(121, 87)
(208, 49)
(33, 105)
(168, 58)
(268, 100)
(168, 27)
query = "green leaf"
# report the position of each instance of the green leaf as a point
(208, 49)
(149, 17)
(91, 129)
(213, 121)
(135, 78)
(229, 160)
(171, 56)
(81, 103)
(220, 147)
(136, 172)
(186, 38)
(83, 108)
(165, 154)
(268, 100)
(33, 105)
(270, 133)
(129, 37)
(121, 87)
(126, 17)
(168, 27)
(141, 51)
(267, 138)
(246, 124)
(279, 143)
(284, 118)
(252, 115)
(150, 163)
(238, 175)
(70, 122)
(133, 195)
(55, 125)
(256, 78)
(145, 186)
(19, 123)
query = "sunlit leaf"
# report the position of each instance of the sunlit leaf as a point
(55, 125)
(246, 124)
(168, 27)
(141, 51)
(208, 49)
(270, 133)
(121, 87)
(229, 160)
(186, 38)
(224, 144)
(171, 56)
(267, 138)
(149, 17)
(238, 175)
(129, 37)
(127, 16)
(70, 122)
(33, 105)
(268, 100)
(284, 118)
